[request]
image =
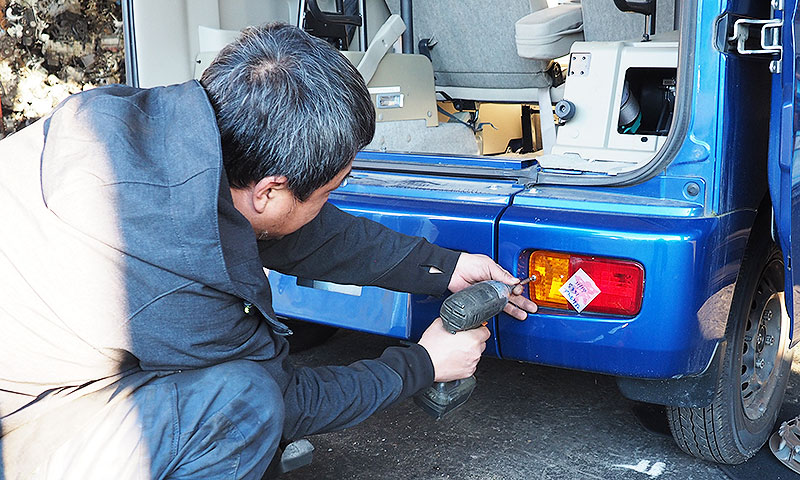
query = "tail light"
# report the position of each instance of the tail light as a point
(621, 282)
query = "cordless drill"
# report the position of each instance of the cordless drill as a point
(464, 310)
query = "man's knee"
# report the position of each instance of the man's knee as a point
(250, 386)
(238, 407)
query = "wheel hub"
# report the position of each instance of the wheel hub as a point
(760, 352)
(762, 334)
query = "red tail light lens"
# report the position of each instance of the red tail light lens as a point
(621, 282)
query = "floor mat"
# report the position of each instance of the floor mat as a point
(764, 465)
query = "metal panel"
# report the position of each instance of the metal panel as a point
(454, 213)
(690, 274)
(369, 309)
(784, 167)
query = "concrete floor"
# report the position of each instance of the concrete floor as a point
(523, 422)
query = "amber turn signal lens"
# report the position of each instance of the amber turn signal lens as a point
(551, 270)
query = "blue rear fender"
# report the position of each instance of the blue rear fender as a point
(690, 272)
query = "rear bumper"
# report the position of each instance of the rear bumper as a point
(690, 260)
(690, 273)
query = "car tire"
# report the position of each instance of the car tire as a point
(307, 335)
(756, 366)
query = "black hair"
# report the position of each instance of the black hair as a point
(287, 104)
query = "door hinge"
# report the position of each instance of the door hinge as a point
(767, 33)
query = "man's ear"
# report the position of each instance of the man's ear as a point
(266, 190)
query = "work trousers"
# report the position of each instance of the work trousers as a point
(220, 422)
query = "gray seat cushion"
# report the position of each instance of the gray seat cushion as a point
(603, 22)
(476, 46)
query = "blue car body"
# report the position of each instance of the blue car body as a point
(686, 216)
(688, 225)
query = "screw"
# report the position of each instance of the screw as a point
(748, 338)
(760, 363)
(767, 315)
(692, 189)
(769, 340)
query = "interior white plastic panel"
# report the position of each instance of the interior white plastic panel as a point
(550, 32)
(166, 31)
(168, 39)
(590, 140)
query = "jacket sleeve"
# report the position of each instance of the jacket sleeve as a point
(342, 248)
(325, 399)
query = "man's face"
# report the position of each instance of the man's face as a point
(275, 212)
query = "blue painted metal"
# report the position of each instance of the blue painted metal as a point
(458, 214)
(784, 167)
(372, 309)
(628, 200)
(688, 282)
(448, 160)
(691, 244)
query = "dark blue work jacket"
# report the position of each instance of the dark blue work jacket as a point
(121, 251)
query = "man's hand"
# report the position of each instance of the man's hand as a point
(454, 356)
(472, 268)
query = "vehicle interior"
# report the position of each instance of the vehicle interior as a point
(586, 86)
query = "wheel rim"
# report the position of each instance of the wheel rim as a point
(760, 349)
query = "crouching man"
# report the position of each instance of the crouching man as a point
(138, 337)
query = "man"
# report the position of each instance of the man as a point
(138, 337)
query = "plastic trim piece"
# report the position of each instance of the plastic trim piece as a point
(696, 391)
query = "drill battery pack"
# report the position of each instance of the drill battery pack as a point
(442, 398)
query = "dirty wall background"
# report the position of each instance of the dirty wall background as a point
(50, 49)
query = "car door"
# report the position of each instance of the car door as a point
(784, 167)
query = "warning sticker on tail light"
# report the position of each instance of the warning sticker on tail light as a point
(579, 290)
